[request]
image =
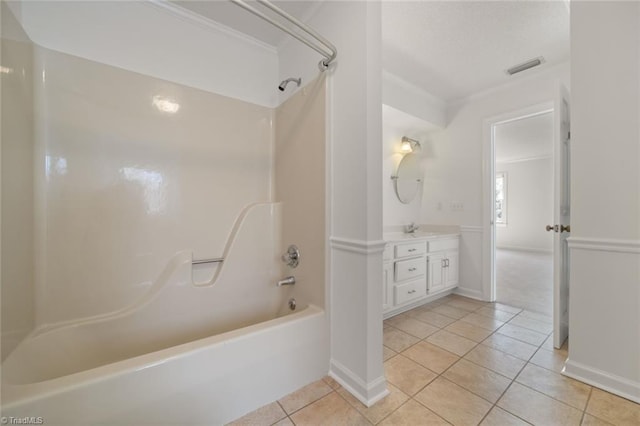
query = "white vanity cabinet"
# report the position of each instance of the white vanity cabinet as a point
(417, 267)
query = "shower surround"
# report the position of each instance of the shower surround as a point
(133, 178)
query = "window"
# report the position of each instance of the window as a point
(501, 198)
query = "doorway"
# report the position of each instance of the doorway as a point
(523, 159)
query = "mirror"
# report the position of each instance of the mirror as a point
(408, 178)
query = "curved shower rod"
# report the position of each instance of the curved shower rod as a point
(327, 49)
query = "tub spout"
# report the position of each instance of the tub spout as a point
(287, 281)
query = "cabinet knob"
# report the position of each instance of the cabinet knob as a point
(412, 269)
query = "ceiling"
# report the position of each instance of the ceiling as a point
(233, 16)
(527, 138)
(451, 49)
(409, 125)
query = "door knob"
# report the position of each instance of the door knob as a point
(565, 228)
(553, 228)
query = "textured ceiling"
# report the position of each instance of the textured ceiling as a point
(524, 139)
(454, 49)
(451, 49)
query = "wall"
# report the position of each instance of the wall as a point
(354, 199)
(299, 169)
(17, 183)
(153, 39)
(605, 230)
(529, 205)
(122, 186)
(453, 187)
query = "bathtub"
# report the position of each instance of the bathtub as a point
(189, 352)
(210, 381)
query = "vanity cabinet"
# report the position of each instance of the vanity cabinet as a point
(417, 268)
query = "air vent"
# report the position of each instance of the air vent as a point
(525, 66)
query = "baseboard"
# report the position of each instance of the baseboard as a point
(471, 294)
(529, 249)
(367, 393)
(601, 379)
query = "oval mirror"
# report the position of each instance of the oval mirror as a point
(408, 178)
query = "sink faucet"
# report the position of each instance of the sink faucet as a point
(411, 228)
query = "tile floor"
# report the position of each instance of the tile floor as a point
(462, 362)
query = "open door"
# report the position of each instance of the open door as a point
(561, 216)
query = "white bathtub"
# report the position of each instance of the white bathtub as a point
(186, 353)
(208, 382)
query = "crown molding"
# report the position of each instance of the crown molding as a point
(196, 19)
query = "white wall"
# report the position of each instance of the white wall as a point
(453, 187)
(144, 37)
(529, 205)
(18, 312)
(413, 100)
(354, 187)
(604, 314)
(121, 186)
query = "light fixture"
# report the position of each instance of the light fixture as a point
(409, 145)
(165, 104)
(525, 65)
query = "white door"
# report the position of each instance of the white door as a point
(561, 216)
(435, 273)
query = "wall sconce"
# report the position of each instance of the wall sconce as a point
(409, 145)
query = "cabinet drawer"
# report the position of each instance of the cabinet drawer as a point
(410, 290)
(440, 245)
(412, 268)
(411, 249)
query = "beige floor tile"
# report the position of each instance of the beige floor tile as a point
(380, 409)
(450, 311)
(331, 382)
(407, 375)
(388, 353)
(468, 330)
(411, 414)
(613, 409)
(537, 316)
(267, 415)
(479, 380)
(506, 308)
(452, 342)
(398, 340)
(433, 318)
(284, 422)
(490, 312)
(496, 360)
(498, 417)
(537, 408)
(589, 420)
(511, 346)
(413, 326)
(304, 396)
(466, 304)
(482, 321)
(523, 334)
(431, 356)
(565, 389)
(551, 360)
(548, 344)
(453, 403)
(539, 326)
(330, 410)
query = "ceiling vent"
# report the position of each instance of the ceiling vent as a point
(525, 66)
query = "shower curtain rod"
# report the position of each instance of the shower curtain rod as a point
(329, 57)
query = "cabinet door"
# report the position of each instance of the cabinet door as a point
(451, 276)
(387, 286)
(435, 272)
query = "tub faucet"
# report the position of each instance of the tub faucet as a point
(411, 228)
(287, 281)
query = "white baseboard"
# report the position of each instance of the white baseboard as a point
(471, 294)
(611, 383)
(367, 393)
(529, 249)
